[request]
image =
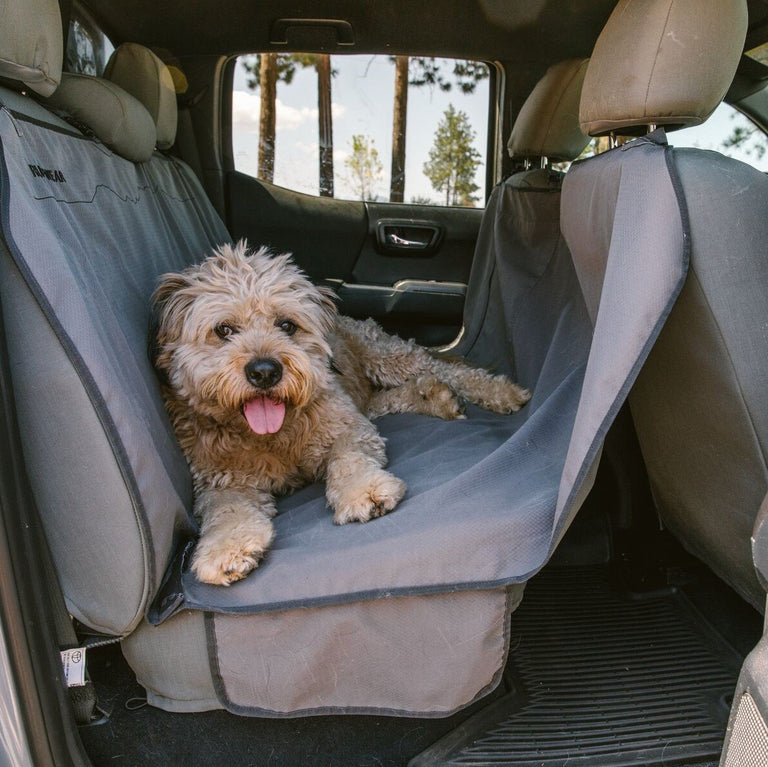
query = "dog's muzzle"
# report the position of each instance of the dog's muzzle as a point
(263, 372)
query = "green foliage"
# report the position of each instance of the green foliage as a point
(427, 70)
(286, 65)
(453, 160)
(364, 169)
(740, 138)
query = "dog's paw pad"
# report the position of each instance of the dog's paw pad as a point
(381, 494)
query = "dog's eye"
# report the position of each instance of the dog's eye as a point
(224, 330)
(286, 326)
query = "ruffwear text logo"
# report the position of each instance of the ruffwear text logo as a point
(52, 175)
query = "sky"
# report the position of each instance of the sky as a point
(362, 99)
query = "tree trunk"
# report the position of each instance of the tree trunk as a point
(268, 88)
(399, 116)
(325, 124)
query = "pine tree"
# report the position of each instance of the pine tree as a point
(420, 71)
(453, 160)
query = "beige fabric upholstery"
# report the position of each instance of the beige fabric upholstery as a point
(548, 123)
(31, 44)
(116, 117)
(663, 62)
(137, 70)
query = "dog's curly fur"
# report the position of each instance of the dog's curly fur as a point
(247, 332)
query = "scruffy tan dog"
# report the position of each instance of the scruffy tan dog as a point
(268, 389)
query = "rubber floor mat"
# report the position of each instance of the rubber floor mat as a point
(601, 679)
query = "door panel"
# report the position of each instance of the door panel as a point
(325, 235)
(416, 291)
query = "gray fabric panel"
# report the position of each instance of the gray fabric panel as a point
(43, 379)
(622, 220)
(701, 404)
(171, 663)
(424, 656)
(90, 247)
(488, 497)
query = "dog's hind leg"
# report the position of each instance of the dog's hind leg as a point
(492, 392)
(389, 362)
(425, 395)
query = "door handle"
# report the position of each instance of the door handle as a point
(401, 242)
(411, 237)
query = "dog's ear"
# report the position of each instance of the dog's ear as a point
(326, 298)
(168, 305)
(169, 285)
(170, 300)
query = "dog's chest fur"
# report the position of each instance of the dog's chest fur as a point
(230, 455)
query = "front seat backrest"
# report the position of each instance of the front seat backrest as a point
(700, 403)
(519, 239)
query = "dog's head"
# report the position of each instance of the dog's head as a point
(243, 335)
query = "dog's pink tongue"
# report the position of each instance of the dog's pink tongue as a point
(264, 416)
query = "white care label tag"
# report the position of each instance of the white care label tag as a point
(73, 662)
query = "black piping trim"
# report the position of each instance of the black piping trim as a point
(73, 133)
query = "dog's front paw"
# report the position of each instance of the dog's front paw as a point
(371, 497)
(439, 399)
(225, 556)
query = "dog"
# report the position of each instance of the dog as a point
(269, 388)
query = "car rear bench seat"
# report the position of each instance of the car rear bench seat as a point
(363, 618)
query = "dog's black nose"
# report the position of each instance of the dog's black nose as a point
(263, 373)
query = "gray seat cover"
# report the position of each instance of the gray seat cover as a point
(700, 404)
(89, 233)
(488, 497)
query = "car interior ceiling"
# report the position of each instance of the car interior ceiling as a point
(620, 588)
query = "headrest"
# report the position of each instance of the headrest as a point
(31, 43)
(137, 70)
(548, 123)
(662, 62)
(117, 118)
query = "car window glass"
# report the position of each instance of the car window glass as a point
(729, 132)
(326, 125)
(88, 48)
